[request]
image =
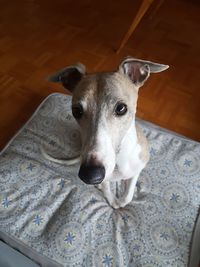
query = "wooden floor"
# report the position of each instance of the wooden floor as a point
(38, 37)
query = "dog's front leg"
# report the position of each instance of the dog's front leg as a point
(111, 198)
(129, 191)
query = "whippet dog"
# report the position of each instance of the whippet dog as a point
(104, 105)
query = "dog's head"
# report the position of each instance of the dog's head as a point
(104, 105)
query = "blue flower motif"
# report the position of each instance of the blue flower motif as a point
(137, 248)
(34, 191)
(125, 218)
(163, 172)
(187, 163)
(107, 260)
(52, 143)
(152, 151)
(189, 225)
(93, 200)
(150, 207)
(174, 197)
(38, 220)
(6, 202)
(69, 238)
(30, 167)
(164, 236)
(99, 226)
(62, 183)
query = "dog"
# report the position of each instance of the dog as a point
(104, 106)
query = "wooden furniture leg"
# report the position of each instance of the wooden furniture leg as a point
(142, 10)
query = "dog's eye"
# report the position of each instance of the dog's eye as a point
(77, 111)
(120, 109)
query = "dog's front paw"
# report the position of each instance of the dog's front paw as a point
(118, 203)
(124, 201)
(114, 203)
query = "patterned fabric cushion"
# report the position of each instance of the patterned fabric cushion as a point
(49, 208)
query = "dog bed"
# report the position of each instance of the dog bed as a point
(50, 215)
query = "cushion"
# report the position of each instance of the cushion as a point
(48, 208)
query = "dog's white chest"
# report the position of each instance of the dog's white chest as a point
(128, 162)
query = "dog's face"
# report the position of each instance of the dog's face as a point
(104, 105)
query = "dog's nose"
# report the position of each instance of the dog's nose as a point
(91, 174)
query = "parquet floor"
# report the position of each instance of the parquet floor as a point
(38, 37)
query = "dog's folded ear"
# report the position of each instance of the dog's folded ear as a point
(69, 76)
(138, 70)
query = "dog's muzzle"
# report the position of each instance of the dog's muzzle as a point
(91, 174)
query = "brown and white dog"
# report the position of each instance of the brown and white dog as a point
(104, 105)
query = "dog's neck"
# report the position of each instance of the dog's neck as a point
(128, 152)
(130, 137)
(128, 143)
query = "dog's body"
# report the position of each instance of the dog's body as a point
(104, 105)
